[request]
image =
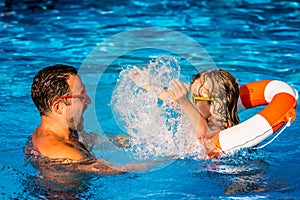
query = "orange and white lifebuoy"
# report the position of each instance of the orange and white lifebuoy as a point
(281, 109)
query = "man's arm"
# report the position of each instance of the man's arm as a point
(54, 149)
(94, 142)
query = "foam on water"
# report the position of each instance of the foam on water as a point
(157, 128)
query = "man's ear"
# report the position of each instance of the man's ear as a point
(57, 107)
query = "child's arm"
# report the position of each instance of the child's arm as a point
(179, 93)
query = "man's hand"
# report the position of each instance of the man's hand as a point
(123, 141)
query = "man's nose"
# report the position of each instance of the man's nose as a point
(88, 100)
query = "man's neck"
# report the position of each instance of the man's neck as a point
(54, 127)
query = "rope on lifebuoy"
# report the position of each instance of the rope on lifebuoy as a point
(269, 142)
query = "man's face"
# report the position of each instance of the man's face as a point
(78, 104)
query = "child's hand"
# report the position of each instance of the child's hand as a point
(141, 78)
(178, 91)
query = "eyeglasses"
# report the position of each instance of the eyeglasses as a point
(82, 97)
(194, 98)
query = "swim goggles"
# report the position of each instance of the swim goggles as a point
(194, 98)
(82, 97)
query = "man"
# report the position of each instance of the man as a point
(60, 96)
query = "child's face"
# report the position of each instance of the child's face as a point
(198, 89)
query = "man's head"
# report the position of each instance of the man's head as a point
(49, 84)
(59, 91)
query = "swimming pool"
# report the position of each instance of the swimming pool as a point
(254, 40)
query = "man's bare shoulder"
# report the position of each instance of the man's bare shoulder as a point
(53, 148)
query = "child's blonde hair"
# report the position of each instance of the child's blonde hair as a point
(220, 84)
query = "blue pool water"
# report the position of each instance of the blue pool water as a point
(254, 40)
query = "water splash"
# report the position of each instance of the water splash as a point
(157, 128)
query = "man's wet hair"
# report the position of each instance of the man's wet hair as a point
(49, 84)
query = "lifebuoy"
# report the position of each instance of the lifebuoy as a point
(281, 100)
